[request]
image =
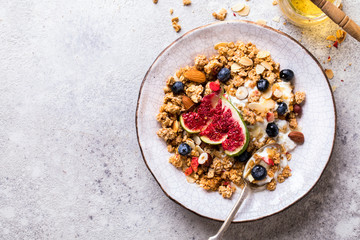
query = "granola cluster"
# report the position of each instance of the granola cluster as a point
(247, 65)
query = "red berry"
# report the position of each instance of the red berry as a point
(215, 86)
(269, 161)
(194, 164)
(270, 117)
(188, 171)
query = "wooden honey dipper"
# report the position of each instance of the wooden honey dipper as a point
(339, 17)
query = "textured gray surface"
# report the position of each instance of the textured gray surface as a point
(70, 72)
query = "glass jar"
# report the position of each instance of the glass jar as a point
(303, 12)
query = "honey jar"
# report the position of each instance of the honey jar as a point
(304, 12)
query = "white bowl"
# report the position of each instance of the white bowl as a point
(317, 122)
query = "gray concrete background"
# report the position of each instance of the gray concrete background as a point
(71, 168)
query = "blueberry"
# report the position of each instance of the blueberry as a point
(243, 157)
(258, 172)
(272, 129)
(224, 75)
(282, 108)
(286, 75)
(262, 85)
(177, 87)
(184, 149)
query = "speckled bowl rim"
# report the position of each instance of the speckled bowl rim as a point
(272, 29)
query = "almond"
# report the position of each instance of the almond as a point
(267, 65)
(188, 103)
(235, 67)
(244, 12)
(195, 76)
(259, 69)
(297, 137)
(238, 7)
(263, 54)
(246, 61)
(220, 44)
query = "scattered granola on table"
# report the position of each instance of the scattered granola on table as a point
(217, 113)
(186, 2)
(221, 15)
(175, 24)
(337, 39)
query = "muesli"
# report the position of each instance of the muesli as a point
(220, 111)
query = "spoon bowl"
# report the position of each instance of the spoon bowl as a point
(248, 186)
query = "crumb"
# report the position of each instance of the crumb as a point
(274, 2)
(155, 1)
(329, 58)
(333, 88)
(340, 35)
(331, 38)
(186, 2)
(221, 15)
(171, 11)
(175, 24)
(177, 27)
(245, 11)
(261, 21)
(329, 73)
(276, 19)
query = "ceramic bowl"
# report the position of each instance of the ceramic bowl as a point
(317, 122)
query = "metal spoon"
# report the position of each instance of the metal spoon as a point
(244, 193)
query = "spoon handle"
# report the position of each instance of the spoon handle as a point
(339, 17)
(231, 215)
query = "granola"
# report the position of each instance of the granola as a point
(274, 103)
(175, 24)
(221, 15)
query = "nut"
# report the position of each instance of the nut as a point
(245, 11)
(195, 76)
(297, 109)
(297, 137)
(246, 61)
(242, 93)
(205, 159)
(267, 65)
(263, 54)
(238, 7)
(175, 126)
(235, 67)
(188, 103)
(277, 93)
(259, 69)
(220, 44)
